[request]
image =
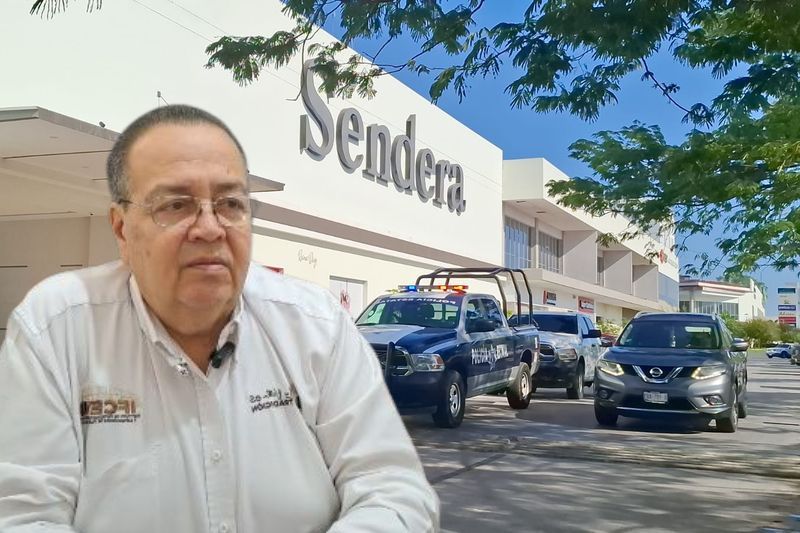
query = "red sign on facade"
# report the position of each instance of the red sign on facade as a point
(549, 298)
(585, 305)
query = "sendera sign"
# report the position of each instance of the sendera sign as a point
(383, 158)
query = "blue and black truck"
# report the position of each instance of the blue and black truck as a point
(439, 344)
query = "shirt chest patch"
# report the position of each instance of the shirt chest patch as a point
(104, 405)
(271, 397)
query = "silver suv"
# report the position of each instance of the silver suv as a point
(673, 364)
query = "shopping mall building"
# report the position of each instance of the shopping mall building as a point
(336, 201)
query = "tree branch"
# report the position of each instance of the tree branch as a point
(663, 88)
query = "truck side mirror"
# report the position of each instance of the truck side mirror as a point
(593, 334)
(480, 325)
(606, 343)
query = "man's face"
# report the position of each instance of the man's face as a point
(196, 265)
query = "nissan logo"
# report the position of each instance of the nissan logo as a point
(656, 372)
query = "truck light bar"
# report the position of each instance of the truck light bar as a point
(455, 288)
(407, 288)
(446, 288)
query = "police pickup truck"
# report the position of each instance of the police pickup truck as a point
(439, 344)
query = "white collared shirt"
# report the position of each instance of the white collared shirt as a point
(107, 426)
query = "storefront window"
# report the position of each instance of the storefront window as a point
(517, 244)
(719, 308)
(549, 253)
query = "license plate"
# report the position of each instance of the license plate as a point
(656, 397)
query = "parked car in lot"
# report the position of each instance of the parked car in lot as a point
(673, 364)
(570, 347)
(439, 345)
(783, 351)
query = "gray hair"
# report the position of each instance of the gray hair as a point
(171, 114)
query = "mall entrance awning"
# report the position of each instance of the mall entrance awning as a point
(52, 166)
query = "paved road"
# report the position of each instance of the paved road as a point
(551, 468)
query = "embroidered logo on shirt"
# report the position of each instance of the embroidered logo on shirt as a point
(100, 406)
(273, 397)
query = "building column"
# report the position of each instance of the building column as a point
(102, 245)
(618, 270)
(645, 282)
(580, 255)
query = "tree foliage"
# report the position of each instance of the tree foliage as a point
(788, 333)
(738, 168)
(609, 327)
(734, 326)
(760, 331)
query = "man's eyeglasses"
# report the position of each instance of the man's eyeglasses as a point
(169, 211)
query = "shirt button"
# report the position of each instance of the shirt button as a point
(224, 528)
(216, 456)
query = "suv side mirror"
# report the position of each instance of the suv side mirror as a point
(593, 334)
(606, 343)
(740, 345)
(480, 325)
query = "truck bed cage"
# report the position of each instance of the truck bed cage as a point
(487, 273)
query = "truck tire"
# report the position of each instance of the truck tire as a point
(452, 401)
(519, 393)
(606, 416)
(575, 389)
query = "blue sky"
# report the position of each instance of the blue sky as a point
(524, 133)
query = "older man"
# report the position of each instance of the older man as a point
(185, 389)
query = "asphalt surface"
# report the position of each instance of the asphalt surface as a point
(552, 468)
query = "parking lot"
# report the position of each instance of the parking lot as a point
(552, 468)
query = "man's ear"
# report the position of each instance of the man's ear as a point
(116, 216)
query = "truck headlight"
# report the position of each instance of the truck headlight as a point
(711, 371)
(567, 354)
(426, 362)
(610, 368)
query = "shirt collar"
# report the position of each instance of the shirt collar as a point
(155, 331)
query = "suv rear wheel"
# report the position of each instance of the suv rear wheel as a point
(575, 389)
(452, 400)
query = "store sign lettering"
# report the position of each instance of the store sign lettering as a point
(383, 158)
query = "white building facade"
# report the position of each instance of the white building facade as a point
(743, 302)
(330, 205)
(559, 249)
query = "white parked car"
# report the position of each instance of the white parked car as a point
(784, 351)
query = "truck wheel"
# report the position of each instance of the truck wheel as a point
(452, 400)
(519, 393)
(575, 389)
(606, 416)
